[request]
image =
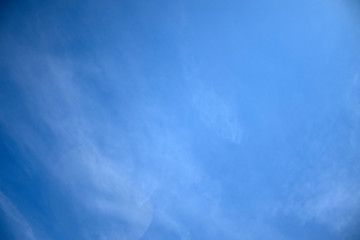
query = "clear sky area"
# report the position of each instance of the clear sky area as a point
(180, 119)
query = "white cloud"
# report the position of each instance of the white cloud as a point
(101, 175)
(330, 197)
(218, 114)
(23, 229)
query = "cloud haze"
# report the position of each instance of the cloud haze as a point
(179, 120)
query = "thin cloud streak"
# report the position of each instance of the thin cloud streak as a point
(18, 221)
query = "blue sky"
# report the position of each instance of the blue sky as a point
(180, 119)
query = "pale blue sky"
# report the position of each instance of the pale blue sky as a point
(180, 119)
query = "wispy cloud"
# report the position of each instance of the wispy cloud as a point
(23, 229)
(218, 114)
(327, 198)
(91, 156)
(128, 162)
